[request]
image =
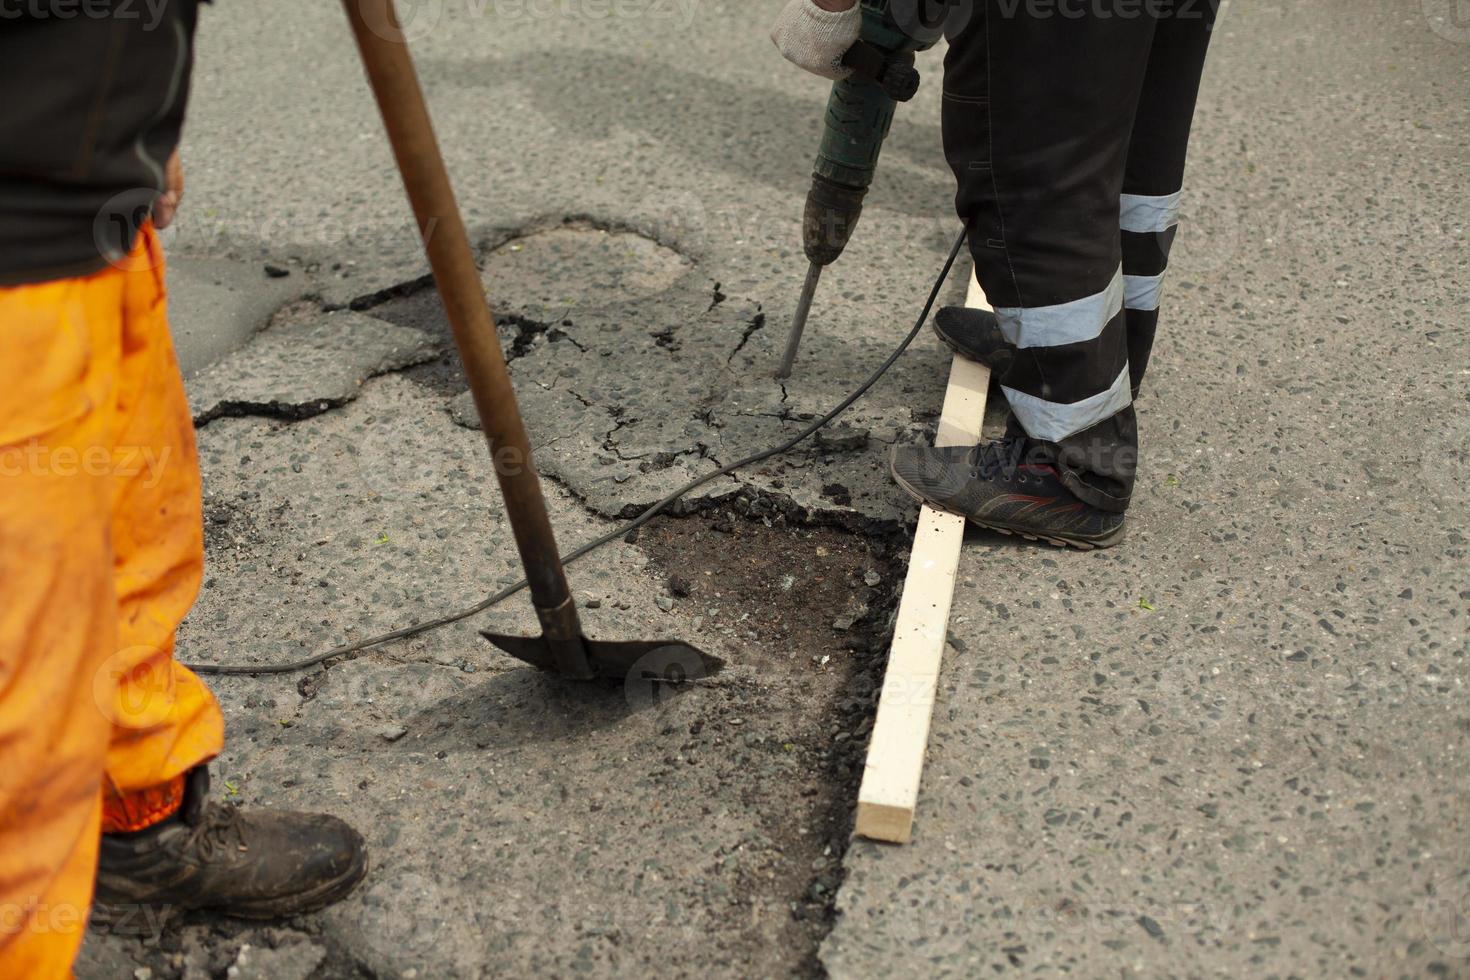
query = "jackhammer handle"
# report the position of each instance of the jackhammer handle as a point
(395, 85)
(895, 74)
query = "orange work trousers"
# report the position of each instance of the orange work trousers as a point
(101, 554)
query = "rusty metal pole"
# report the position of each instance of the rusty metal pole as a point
(395, 84)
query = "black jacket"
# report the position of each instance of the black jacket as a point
(92, 96)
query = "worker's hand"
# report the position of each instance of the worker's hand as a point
(815, 34)
(168, 202)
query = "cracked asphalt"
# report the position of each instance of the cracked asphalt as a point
(1236, 745)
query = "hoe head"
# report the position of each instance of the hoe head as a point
(630, 661)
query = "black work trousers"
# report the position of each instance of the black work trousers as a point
(1066, 123)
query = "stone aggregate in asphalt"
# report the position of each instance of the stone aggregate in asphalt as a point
(1236, 745)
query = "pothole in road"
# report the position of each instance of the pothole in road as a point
(810, 607)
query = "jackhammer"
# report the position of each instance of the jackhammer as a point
(859, 112)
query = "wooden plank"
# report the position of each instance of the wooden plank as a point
(890, 787)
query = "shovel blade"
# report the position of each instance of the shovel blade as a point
(647, 661)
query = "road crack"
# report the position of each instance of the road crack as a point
(757, 323)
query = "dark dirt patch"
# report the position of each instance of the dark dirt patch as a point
(813, 604)
(229, 524)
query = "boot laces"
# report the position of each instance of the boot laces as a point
(218, 830)
(1000, 457)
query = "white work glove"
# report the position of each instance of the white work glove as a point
(813, 38)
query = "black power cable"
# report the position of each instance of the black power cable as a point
(632, 525)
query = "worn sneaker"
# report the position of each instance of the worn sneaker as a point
(974, 334)
(253, 864)
(994, 485)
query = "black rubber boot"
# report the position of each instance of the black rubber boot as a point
(1005, 487)
(975, 334)
(254, 864)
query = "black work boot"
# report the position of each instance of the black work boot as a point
(975, 334)
(1002, 486)
(254, 864)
